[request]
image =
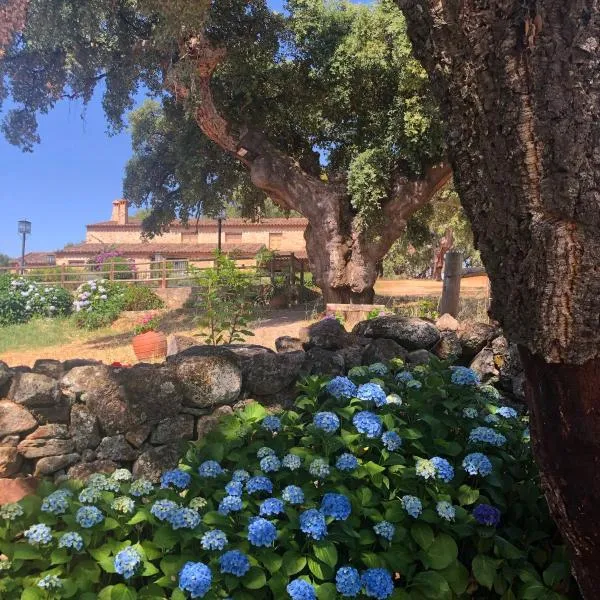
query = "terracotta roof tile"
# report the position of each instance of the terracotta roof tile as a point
(169, 250)
(212, 223)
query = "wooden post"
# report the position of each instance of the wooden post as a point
(451, 287)
(111, 274)
(302, 281)
(163, 281)
(62, 275)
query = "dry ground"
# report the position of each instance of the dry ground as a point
(116, 346)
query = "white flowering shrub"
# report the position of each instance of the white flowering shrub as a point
(98, 303)
(388, 483)
(22, 300)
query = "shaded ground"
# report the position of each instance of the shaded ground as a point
(115, 344)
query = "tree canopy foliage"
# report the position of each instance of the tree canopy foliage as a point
(332, 84)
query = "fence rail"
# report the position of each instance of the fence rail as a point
(163, 274)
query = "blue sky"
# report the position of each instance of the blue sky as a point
(69, 180)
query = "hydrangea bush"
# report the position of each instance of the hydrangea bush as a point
(403, 491)
(22, 299)
(98, 303)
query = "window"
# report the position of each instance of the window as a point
(275, 240)
(50, 259)
(233, 238)
(178, 267)
(189, 237)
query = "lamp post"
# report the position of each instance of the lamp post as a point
(220, 218)
(24, 230)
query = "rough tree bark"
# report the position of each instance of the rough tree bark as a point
(519, 85)
(343, 259)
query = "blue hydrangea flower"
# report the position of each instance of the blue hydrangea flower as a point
(162, 509)
(56, 503)
(195, 578)
(404, 377)
(230, 504)
(50, 583)
(378, 583)
(336, 505)
(88, 516)
(486, 435)
(412, 505)
(184, 518)
(11, 511)
(89, 495)
(235, 563)
(271, 507)
(298, 589)
(526, 435)
(240, 475)
(291, 462)
(265, 451)
(214, 540)
(347, 582)
(470, 412)
(312, 522)
(71, 540)
(413, 384)
(293, 494)
(270, 464)
(101, 482)
(346, 462)
(341, 388)
(507, 412)
(391, 440)
(372, 392)
(464, 376)
(319, 468)
(425, 468)
(378, 369)
(210, 469)
(385, 529)
(491, 419)
(368, 424)
(261, 532)
(487, 515)
(127, 562)
(326, 421)
(38, 534)
(234, 488)
(271, 423)
(176, 478)
(477, 463)
(259, 483)
(443, 469)
(123, 504)
(141, 487)
(445, 510)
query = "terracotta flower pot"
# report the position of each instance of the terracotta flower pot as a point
(151, 344)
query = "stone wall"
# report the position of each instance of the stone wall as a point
(76, 417)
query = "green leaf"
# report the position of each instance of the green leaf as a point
(319, 569)
(254, 579)
(165, 538)
(432, 585)
(373, 468)
(457, 576)
(110, 524)
(484, 570)
(422, 534)
(326, 553)
(293, 562)
(122, 592)
(60, 556)
(140, 517)
(442, 553)
(467, 495)
(171, 565)
(326, 591)
(533, 590)
(33, 593)
(26, 552)
(271, 560)
(506, 550)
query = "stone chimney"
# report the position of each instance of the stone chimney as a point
(120, 213)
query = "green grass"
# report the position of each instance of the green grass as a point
(41, 333)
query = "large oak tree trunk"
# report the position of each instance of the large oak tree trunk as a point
(520, 92)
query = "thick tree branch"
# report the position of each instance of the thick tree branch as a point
(409, 195)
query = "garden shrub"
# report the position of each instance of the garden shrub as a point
(22, 300)
(140, 297)
(98, 303)
(387, 484)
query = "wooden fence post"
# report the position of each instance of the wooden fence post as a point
(451, 287)
(302, 281)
